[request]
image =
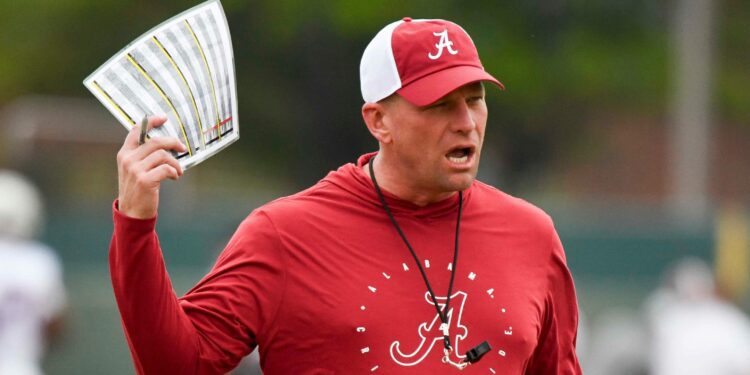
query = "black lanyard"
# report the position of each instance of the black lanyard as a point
(473, 355)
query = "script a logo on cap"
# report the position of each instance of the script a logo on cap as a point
(443, 43)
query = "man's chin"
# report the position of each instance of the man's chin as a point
(461, 182)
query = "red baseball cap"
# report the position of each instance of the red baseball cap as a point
(421, 60)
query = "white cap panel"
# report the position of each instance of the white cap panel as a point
(378, 74)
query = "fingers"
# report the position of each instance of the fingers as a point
(159, 143)
(162, 172)
(151, 155)
(161, 157)
(134, 152)
(135, 160)
(156, 121)
(131, 141)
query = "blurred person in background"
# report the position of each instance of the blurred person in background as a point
(619, 344)
(693, 330)
(32, 295)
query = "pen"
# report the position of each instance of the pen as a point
(144, 129)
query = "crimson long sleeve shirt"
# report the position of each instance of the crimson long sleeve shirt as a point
(321, 282)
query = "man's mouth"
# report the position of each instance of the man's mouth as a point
(460, 155)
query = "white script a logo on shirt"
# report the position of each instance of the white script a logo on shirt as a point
(430, 334)
(443, 43)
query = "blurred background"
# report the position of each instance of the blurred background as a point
(627, 121)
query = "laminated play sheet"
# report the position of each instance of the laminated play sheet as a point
(182, 69)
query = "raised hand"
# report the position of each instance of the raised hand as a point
(142, 168)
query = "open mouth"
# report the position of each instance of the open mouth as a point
(460, 155)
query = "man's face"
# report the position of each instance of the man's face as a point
(438, 146)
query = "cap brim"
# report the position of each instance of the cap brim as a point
(429, 89)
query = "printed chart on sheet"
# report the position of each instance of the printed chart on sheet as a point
(182, 69)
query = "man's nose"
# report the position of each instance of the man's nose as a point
(463, 119)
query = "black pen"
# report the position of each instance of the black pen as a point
(144, 129)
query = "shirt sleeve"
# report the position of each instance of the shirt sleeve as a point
(217, 322)
(556, 351)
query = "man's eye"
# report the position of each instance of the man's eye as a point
(474, 99)
(437, 105)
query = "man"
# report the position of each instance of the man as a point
(32, 295)
(399, 264)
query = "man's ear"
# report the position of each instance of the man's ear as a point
(374, 115)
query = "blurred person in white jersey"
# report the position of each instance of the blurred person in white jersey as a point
(693, 330)
(32, 295)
